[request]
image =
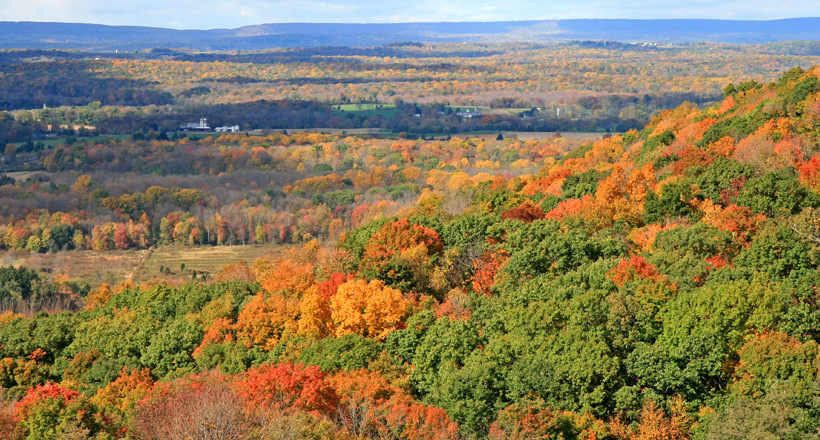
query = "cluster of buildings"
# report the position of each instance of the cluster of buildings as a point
(202, 125)
(475, 113)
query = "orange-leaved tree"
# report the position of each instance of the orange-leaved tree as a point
(534, 419)
(372, 407)
(634, 268)
(810, 173)
(370, 309)
(486, 267)
(739, 220)
(456, 305)
(266, 319)
(620, 197)
(315, 318)
(526, 212)
(290, 275)
(400, 253)
(656, 425)
(571, 208)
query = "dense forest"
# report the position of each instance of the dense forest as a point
(238, 189)
(654, 284)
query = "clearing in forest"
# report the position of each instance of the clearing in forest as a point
(140, 266)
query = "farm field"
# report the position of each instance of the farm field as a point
(368, 110)
(139, 266)
(202, 259)
(95, 267)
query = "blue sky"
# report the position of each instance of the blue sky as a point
(209, 14)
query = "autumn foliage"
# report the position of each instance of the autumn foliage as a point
(48, 409)
(634, 268)
(664, 285)
(288, 386)
(526, 212)
(394, 238)
(266, 319)
(369, 309)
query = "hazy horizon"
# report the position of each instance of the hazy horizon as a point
(397, 22)
(209, 14)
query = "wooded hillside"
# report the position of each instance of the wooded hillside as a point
(655, 284)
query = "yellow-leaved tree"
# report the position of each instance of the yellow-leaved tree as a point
(620, 197)
(266, 319)
(369, 309)
(315, 318)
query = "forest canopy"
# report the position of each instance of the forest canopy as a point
(659, 283)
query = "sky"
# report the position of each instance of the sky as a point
(211, 14)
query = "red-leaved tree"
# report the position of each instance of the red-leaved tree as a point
(288, 385)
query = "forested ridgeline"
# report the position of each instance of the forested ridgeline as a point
(655, 284)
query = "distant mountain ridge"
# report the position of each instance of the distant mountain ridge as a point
(102, 37)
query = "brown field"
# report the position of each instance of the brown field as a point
(204, 260)
(96, 267)
(25, 175)
(140, 266)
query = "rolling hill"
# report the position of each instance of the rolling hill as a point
(102, 37)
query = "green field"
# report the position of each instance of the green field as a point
(365, 107)
(368, 110)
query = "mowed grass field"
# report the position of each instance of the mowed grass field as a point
(385, 110)
(139, 266)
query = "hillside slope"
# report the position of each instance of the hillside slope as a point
(662, 284)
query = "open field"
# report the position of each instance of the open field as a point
(140, 266)
(96, 267)
(368, 110)
(365, 107)
(204, 260)
(25, 175)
